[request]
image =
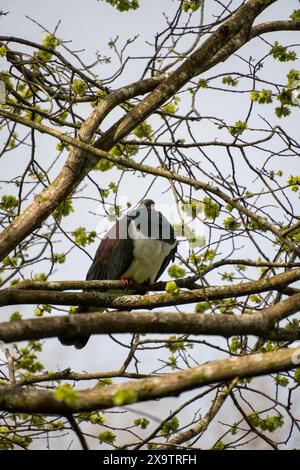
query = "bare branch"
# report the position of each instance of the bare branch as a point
(272, 26)
(204, 422)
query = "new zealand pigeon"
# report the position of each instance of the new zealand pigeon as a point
(137, 248)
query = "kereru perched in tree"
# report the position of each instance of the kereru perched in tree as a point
(138, 248)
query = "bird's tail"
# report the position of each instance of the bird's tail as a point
(78, 341)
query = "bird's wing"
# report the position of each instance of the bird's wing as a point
(166, 261)
(167, 235)
(114, 254)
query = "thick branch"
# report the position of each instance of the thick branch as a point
(273, 26)
(40, 401)
(239, 22)
(14, 296)
(259, 324)
(101, 286)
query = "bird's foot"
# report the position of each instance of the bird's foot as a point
(126, 282)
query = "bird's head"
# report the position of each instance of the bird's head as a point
(149, 204)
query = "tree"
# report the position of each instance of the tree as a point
(232, 308)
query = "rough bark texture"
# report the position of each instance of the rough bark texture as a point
(37, 401)
(260, 324)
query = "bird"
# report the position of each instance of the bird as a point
(137, 249)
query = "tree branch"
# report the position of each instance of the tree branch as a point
(203, 423)
(273, 26)
(14, 296)
(78, 432)
(40, 401)
(259, 324)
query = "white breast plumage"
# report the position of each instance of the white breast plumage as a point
(148, 254)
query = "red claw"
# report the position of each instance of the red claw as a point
(126, 282)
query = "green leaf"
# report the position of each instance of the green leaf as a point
(142, 422)
(238, 128)
(202, 83)
(294, 182)
(126, 150)
(228, 80)
(282, 111)
(104, 382)
(219, 445)
(231, 223)
(192, 5)
(293, 76)
(192, 208)
(28, 359)
(9, 202)
(100, 96)
(59, 258)
(39, 276)
(113, 186)
(104, 165)
(44, 55)
(107, 437)
(170, 426)
(280, 53)
(171, 288)
(169, 108)
(235, 344)
(38, 421)
(125, 397)
(50, 41)
(124, 5)
(34, 115)
(297, 375)
(234, 430)
(3, 51)
(285, 97)
(281, 380)
(175, 344)
(270, 423)
(202, 307)
(295, 15)
(211, 208)
(79, 87)
(82, 237)
(143, 130)
(15, 316)
(63, 209)
(176, 271)
(261, 97)
(66, 394)
(61, 146)
(255, 298)
(38, 312)
(227, 276)
(96, 418)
